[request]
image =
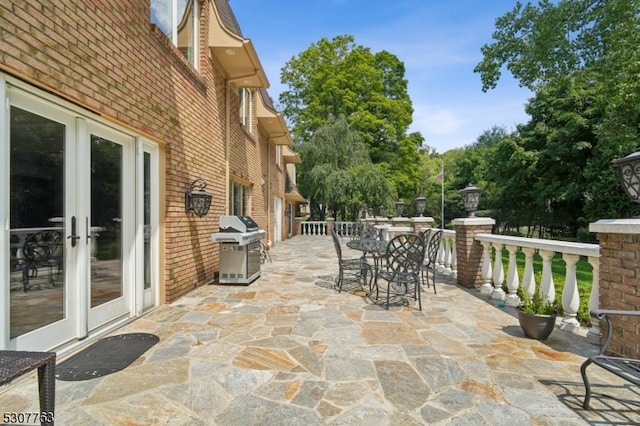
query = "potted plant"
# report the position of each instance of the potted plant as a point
(537, 316)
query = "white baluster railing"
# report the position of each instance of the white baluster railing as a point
(513, 281)
(498, 273)
(487, 272)
(448, 244)
(593, 336)
(310, 227)
(347, 229)
(570, 252)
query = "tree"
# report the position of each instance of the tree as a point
(580, 57)
(334, 78)
(337, 174)
(544, 43)
(513, 171)
(490, 138)
(338, 78)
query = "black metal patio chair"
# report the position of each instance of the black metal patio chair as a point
(433, 240)
(400, 276)
(623, 367)
(265, 257)
(357, 268)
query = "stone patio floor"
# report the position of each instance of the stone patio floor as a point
(290, 350)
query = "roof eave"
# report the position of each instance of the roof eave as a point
(235, 54)
(295, 196)
(290, 156)
(272, 122)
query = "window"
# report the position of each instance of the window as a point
(246, 101)
(236, 199)
(278, 155)
(178, 20)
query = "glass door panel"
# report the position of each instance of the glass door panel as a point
(147, 220)
(148, 214)
(109, 224)
(106, 221)
(37, 249)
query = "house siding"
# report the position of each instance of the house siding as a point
(106, 57)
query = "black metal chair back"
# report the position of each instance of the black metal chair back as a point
(434, 247)
(426, 235)
(336, 244)
(357, 268)
(405, 254)
(431, 258)
(404, 257)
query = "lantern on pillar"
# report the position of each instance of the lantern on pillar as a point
(470, 198)
(399, 208)
(629, 175)
(421, 204)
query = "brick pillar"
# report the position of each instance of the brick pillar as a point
(468, 250)
(296, 228)
(420, 224)
(331, 223)
(620, 280)
(382, 221)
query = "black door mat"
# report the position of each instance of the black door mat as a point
(106, 356)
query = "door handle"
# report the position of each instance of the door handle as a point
(74, 237)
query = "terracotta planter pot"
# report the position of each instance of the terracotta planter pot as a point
(536, 326)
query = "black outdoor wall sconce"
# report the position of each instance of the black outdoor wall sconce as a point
(198, 201)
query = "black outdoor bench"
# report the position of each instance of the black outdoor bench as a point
(626, 368)
(14, 364)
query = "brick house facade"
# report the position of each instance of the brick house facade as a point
(200, 110)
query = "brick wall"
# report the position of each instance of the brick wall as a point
(620, 288)
(250, 161)
(469, 254)
(108, 58)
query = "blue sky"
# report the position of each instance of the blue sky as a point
(438, 40)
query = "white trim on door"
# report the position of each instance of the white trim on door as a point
(80, 320)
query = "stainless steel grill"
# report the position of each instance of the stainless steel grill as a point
(239, 239)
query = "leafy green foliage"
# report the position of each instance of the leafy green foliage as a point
(580, 58)
(584, 277)
(537, 304)
(547, 42)
(337, 174)
(338, 78)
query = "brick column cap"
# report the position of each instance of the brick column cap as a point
(616, 226)
(473, 221)
(399, 229)
(419, 220)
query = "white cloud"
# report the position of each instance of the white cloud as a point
(436, 121)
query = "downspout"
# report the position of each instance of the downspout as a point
(227, 147)
(269, 197)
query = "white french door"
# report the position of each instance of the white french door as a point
(42, 298)
(82, 215)
(106, 168)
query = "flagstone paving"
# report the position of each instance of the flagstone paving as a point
(290, 350)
